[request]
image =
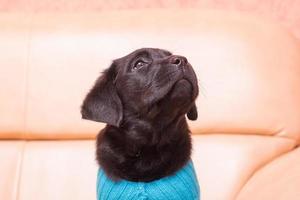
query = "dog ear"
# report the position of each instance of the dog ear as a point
(192, 113)
(102, 103)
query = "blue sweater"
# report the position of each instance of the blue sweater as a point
(183, 185)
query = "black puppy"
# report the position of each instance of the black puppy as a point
(143, 97)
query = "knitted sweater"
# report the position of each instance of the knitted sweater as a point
(183, 185)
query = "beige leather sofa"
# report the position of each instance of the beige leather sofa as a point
(245, 140)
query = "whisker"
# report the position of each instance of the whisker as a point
(202, 89)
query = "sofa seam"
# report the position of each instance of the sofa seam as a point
(26, 82)
(263, 165)
(19, 171)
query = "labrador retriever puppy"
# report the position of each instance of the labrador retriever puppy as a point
(143, 98)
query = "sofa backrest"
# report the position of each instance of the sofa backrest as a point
(248, 69)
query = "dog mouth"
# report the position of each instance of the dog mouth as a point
(183, 89)
(190, 77)
(187, 85)
(184, 82)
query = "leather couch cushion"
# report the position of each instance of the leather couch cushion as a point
(248, 68)
(13, 69)
(67, 169)
(279, 180)
(11, 154)
(224, 163)
(58, 170)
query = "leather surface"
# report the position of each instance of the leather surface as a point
(13, 60)
(238, 94)
(278, 180)
(11, 154)
(249, 76)
(224, 163)
(67, 169)
(58, 170)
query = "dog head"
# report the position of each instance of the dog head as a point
(151, 84)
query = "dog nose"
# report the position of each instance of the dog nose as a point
(178, 60)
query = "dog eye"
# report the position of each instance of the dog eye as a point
(138, 65)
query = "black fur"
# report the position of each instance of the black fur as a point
(143, 97)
